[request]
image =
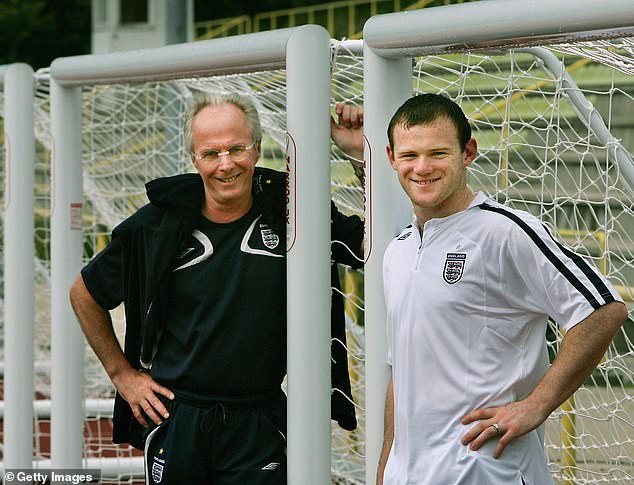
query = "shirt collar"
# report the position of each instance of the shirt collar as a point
(480, 197)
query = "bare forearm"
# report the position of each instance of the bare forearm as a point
(582, 348)
(388, 432)
(96, 324)
(137, 388)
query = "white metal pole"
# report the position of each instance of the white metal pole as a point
(490, 23)
(308, 270)
(387, 84)
(243, 53)
(67, 345)
(19, 269)
(177, 17)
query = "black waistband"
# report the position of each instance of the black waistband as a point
(231, 402)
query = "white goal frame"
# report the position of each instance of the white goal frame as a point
(391, 41)
(305, 52)
(17, 82)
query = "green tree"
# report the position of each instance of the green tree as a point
(38, 31)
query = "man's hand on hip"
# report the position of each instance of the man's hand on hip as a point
(502, 423)
(140, 391)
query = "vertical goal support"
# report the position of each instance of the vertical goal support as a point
(305, 51)
(386, 213)
(446, 29)
(67, 347)
(19, 270)
(308, 127)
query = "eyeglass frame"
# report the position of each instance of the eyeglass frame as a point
(226, 152)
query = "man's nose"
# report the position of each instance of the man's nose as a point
(224, 161)
(423, 164)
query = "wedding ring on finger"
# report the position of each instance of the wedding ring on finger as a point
(497, 429)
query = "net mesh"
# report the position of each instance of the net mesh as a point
(535, 153)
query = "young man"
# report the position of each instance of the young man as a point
(469, 287)
(201, 270)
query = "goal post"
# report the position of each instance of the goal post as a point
(17, 81)
(495, 23)
(447, 45)
(66, 257)
(308, 407)
(308, 350)
(386, 212)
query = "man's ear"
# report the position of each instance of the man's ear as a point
(470, 151)
(390, 156)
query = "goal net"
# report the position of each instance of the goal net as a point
(536, 153)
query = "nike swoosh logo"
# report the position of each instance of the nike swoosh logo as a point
(208, 250)
(245, 248)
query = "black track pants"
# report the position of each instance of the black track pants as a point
(223, 444)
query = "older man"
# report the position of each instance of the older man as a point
(201, 270)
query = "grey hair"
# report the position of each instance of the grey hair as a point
(201, 100)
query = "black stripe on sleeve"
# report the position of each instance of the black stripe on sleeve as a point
(598, 283)
(560, 265)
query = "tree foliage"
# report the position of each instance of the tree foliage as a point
(38, 31)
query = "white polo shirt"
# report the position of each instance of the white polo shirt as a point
(467, 311)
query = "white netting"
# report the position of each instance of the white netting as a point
(535, 154)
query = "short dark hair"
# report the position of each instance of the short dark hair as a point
(426, 108)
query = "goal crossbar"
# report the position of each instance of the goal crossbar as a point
(245, 53)
(492, 23)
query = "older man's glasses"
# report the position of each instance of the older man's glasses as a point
(237, 153)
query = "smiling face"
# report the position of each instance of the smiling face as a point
(227, 181)
(431, 167)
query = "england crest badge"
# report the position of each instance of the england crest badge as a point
(157, 472)
(454, 267)
(269, 238)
